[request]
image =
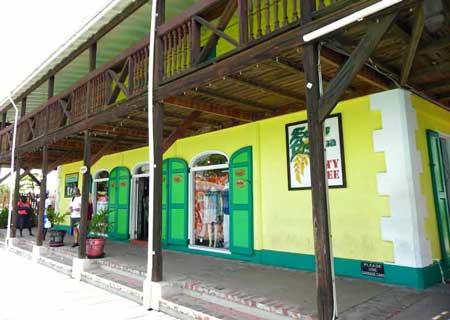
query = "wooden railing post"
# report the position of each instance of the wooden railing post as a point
(243, 22)
(195, 41)
(51, 87)
(23, 109)
(3, 126)
(159, 45)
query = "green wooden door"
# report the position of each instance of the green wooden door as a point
(435, 150)
(241, 202)
(177, 201)
(119, 203)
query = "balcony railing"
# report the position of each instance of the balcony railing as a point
(185, 43)
(124, 77)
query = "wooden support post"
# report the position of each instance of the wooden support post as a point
(93, 57)
(51, 87)
(158, 118)
(158, 115)
(42, 196)
(84, 196)
(15, 197)
(324, 279)
(23, 109)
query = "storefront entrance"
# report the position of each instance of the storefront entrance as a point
(439, 151)
(139, 202)
(210, 203)
(142, 209)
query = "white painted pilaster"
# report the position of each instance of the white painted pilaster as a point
(401, 181)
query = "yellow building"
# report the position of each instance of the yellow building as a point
(242, 193)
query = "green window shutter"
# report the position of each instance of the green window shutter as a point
(177, 210)
(165, 192)
(241, 202)
(440, 195)
(119, 203)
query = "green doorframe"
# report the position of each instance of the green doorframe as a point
(119, 203)
(440, 186)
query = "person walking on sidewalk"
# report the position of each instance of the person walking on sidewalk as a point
(24, 211)
(75, 214)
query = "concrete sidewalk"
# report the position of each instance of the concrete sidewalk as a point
(31, 291)
(282, 291)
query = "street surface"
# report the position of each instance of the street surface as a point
(32, 291)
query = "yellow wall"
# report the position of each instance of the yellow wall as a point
(282, 218)
(429, 116)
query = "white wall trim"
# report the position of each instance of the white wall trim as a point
(401, 181)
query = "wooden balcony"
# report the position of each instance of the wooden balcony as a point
(218, 64)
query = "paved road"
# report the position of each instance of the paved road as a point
(31, 291)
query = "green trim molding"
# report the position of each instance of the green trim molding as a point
(417, 278)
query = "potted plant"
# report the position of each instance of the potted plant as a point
(97, 233)
(56, 235)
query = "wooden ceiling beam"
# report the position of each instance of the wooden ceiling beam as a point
(353, 65)
(435, 45)
(410, 54)
(298, 69)
(436, 85)
(441, 68)
(236, 101)
(189, 102)
(266, 88)
(168, 114)
(180, 131)
(107, 148)
(365, 74)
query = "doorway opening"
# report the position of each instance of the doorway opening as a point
(142, 209)
(140, 198)
(210, 202)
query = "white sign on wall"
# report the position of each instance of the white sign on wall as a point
(298, 155)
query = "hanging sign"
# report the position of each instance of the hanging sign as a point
(298, 154)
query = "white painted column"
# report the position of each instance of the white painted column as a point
(401, 181)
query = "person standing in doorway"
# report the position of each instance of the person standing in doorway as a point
(75, 214)
(24, 211)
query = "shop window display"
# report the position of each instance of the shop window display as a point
(101, 183)
(211, 220)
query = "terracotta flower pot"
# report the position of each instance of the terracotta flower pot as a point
(95, 247)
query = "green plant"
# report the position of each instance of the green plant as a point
(4, 218)
(99, 224)
(56, 217)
